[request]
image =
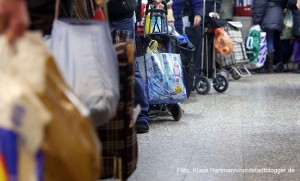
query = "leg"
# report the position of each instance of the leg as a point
(142, 100)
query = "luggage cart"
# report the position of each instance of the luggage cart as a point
(220, 83)
(156, 36)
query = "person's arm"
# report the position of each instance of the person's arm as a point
(170, 13)
(14, 19)
(197, 6)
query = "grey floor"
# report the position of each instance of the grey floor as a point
(253, 125)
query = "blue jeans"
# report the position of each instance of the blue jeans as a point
(139, 86)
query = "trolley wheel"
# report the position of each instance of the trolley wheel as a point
(221, 84)
(176, 111)
(225, 73)
(235, 75)
(279, 67)
(202, 85)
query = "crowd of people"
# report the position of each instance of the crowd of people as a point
(269, 14)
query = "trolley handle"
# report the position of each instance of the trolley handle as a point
(165, 10)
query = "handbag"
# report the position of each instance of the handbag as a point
(90, 67)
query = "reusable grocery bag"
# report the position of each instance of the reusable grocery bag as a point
(88, 62)
(164, 77)
(70, 143)
(256, 47)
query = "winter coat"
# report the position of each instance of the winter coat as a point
(196, 7)
(268, 14)
(210, 7)
(178, 5)
(117, 10)
(296, 17)
(296, 22)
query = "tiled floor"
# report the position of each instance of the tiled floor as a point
(255, 124)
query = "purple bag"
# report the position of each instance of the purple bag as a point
(296, 51)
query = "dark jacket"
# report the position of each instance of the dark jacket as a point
(196, 6)
(117, 10)
(296, 22)
(268, 14)
(41, 13)
(296, 17)
(210, 6)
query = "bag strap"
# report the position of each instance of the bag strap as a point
(56, 9)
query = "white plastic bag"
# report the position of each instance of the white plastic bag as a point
(88, 62)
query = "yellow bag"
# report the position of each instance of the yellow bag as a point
(70, 146)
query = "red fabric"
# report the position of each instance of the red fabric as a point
(99, 15)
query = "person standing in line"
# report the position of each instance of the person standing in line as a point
(269, 15)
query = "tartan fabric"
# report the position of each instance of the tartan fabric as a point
(118, 136)
(238, 56)
(120, 36)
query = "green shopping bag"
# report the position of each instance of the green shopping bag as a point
(253, 43)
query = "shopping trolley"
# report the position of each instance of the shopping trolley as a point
(235, 63)
(156, 38)
(220, 83)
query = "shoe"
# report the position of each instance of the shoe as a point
(268, 65)
(297, 71)
(142, 127)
